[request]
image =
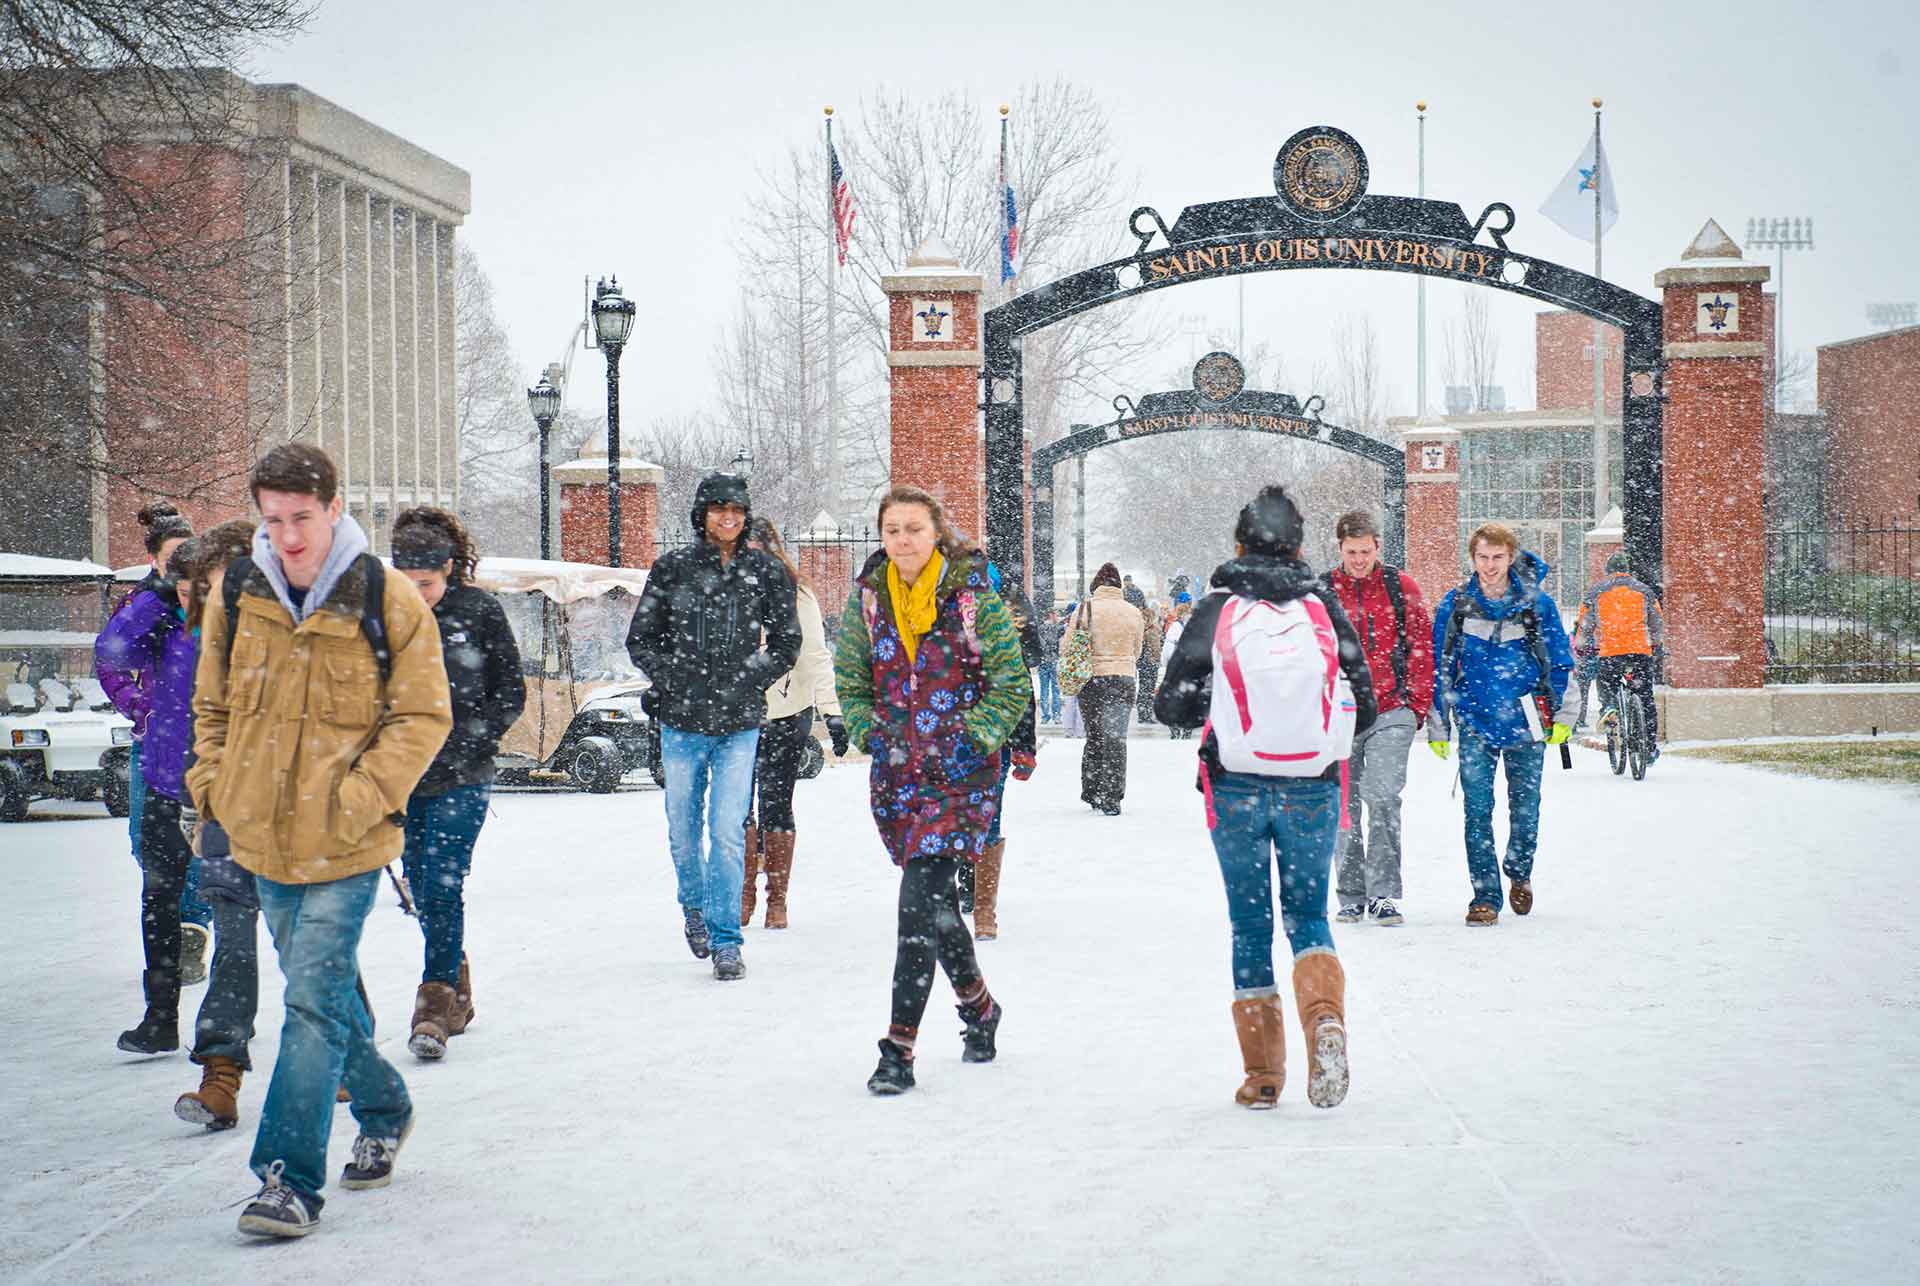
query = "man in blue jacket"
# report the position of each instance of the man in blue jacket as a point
(1502, 662)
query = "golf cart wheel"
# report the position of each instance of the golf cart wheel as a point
(13, 793)
(117, 793)
(812, 758)
(595, 766)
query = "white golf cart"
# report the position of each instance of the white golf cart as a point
(60, 738)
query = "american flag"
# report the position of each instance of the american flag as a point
(1010, 226)
(844, 209)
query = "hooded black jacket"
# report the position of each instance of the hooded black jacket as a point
(696, 633)
(486, 684)
(1186, 689)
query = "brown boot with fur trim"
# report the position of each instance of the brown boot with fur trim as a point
(986, 892)
(1262, 1029)
(778, 854)
(432, 1020)
(1320, 989)
(748, 893)
(462, 1012)
(215, 1104)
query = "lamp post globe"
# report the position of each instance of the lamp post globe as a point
(543, 399)
(612, 324)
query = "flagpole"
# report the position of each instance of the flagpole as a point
(1599, 345)
(1420, 378)
(833, 347)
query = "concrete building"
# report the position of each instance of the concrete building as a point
(350, 283)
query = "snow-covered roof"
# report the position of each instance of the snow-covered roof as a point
(32, 565)
(46, 638)
(561, 582)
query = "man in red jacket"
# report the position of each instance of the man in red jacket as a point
(1385, 607)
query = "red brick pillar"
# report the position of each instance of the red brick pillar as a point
(825, 558)
(933, 360)
(583, 510)
(1433, 508)
(1713, 465)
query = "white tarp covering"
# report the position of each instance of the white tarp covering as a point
(32, 565)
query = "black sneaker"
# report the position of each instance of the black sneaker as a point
(895, 1073)
(977, 1039)
(1350, 913)
(278, 1211)
(727, 964)
(1111, 810)
(1384, 911)
(372, 1164)
(154, 1035)
(698, 941)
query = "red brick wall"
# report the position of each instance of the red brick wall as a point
(1870, 390)
(936, 439)
(1433, 525)
(1563, 365)
(828, 570)
(583, 523)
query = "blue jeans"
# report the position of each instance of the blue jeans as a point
(441, 832)
(1477, 763)
(1049, 697)
(327, 1039)
(1261, 820)
(709, 785)
(193, 908)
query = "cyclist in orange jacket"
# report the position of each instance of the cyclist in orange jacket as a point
(1620, 623)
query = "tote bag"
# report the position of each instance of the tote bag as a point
(1076, 655)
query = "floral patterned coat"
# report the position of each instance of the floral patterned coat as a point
(934, 725)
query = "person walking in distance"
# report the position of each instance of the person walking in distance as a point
(1501, 666)
(1386, 610)
(1271, 666)
(1118, 631)
(697, 635)
(931, 681)
(432, 549)
(1176, 626)
(1047, 697)
(792, 702)
(1621, 627)
(319, 701)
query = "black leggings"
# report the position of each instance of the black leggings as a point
(164, 856)
(777, 767)
(1105, 703)
(930, 929)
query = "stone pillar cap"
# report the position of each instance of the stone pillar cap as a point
(823, 528)
(1610, 529)
(932, 266)
(591, 470)
(1711, 258)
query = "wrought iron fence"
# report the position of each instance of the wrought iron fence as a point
(1843, 603)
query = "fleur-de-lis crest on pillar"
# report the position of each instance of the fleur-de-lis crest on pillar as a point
(1717, 309)
(933, 320)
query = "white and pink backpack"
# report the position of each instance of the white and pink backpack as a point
(1282, 706)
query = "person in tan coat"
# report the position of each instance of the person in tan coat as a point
(320, 700)
(1118, 633)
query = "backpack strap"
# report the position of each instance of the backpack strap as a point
(1397, 595)
(373, 611)
(237, 572)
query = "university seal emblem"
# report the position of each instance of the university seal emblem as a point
(1320, 173)
(1219, 377)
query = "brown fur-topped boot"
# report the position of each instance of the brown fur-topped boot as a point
(779, 862)
(747, 890)
(432, 1020)
(215, 1104)
(1261, 1026)
(986, 892)
(1320, 989)
(462, 1012)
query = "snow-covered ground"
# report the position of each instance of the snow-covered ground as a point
(1697, 1060)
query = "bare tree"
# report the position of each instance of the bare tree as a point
(103, 234)
(1470, 350)
(499, 441)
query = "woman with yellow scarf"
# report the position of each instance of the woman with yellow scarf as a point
(931, 683)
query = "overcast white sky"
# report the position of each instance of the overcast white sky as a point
(625, 138)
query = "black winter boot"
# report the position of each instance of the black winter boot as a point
(977, 1039)
(698, 940)
(159, 1029)
(895, 1073)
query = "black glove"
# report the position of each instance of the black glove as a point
(650, 702)
(837, 730)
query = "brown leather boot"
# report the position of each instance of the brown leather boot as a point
(462, 1012)
(1320, 989)
(432, 1021)
(215, 1104)
(779, 857)
(747, 890)
(986, 892)
(1262, 1027)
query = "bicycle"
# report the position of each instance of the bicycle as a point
(1626, 727)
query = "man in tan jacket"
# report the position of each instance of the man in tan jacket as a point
(320, 699)
(1118, 632)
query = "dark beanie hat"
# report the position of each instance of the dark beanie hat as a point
(1617, 561)
(1270, 524)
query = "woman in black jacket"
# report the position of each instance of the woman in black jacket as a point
(444, 815)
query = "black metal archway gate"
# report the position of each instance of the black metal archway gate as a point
(1322, 218)
(1230, 408)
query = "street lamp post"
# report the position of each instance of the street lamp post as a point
(612, 323)
(543, 399)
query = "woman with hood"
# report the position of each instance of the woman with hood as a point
(1258, 818)
(1501, 668)
(931, 683)
(714, 628)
